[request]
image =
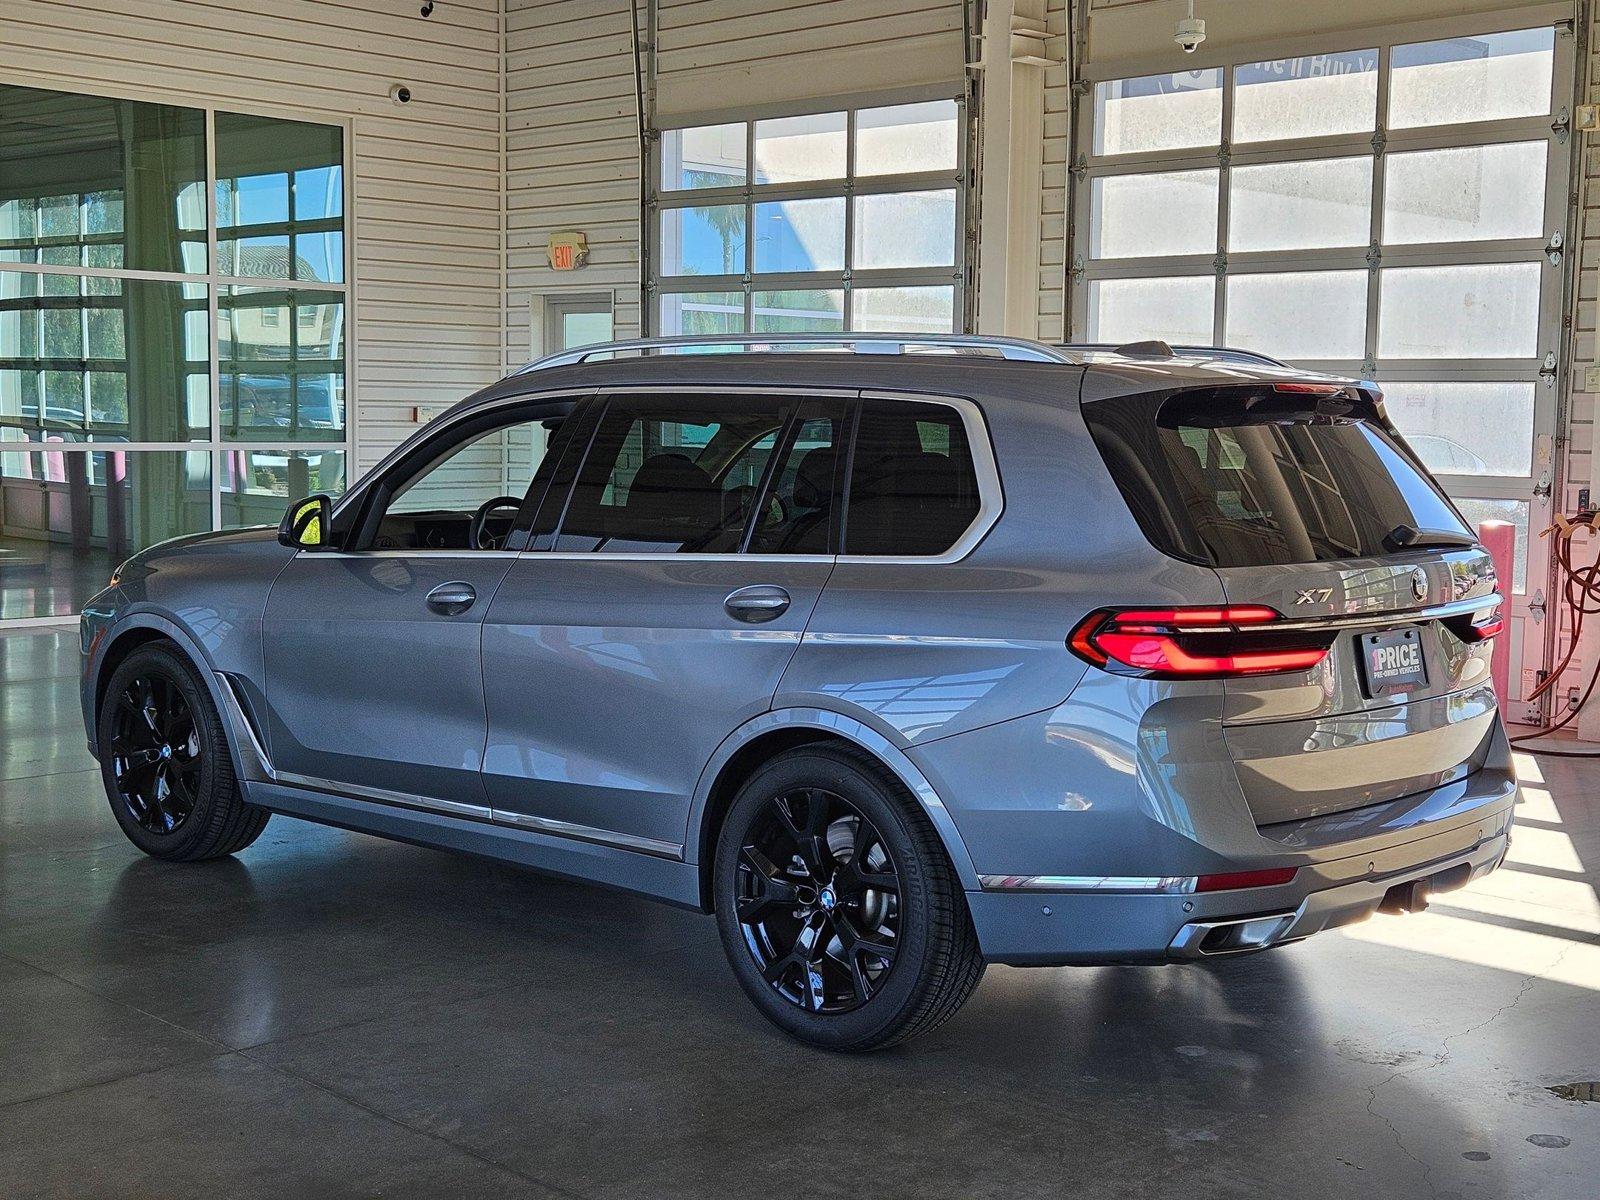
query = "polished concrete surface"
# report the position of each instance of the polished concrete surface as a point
(334, 1015)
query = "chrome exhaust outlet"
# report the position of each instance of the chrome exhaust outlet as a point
(1207, 939)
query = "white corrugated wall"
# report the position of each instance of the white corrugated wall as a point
(425, 176)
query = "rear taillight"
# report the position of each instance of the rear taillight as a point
(1195, 643)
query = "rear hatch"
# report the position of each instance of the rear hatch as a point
(1305, 501)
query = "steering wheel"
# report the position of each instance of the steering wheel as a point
(478, 528)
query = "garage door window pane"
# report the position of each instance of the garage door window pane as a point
(87, 181)
(281, 364)
(800, 235)
(905, 229)
(1158, 112)
(690, 313)
(1516, 513)
(906, 138)
(1177, 310)
(798, 310)
(704, 157)
(280, 199)
(1301, 205)
(1467, 193)
(1314, 96)
(1490, 310)
(1485, 78)
(1140, 216)
(1299, 314)
(903, 309)
(1466, 428)
(90, 358)
(257, 484)
(703, 240)
(791, 149)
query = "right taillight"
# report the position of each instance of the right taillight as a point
(1195, 642)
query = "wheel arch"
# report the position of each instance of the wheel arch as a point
(141, 629)
(757, 742)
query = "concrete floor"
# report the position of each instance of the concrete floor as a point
(335, 1015)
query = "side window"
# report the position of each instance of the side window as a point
(436, 507)
(798, 513)
(913, 489)
(672, 476)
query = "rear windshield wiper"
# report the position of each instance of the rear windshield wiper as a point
(1409, 537)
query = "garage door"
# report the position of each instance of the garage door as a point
(1395, 210)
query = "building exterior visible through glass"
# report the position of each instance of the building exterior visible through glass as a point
(127, 414)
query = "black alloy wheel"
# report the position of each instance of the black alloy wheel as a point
(155, 753)
(819, 901)
(840, 912)
(165, 760)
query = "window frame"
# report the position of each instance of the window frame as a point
(747, 282)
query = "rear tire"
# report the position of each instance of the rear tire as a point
(165, 761)
(840, 913)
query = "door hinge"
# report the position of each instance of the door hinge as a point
(1553, 248)
(1536, 607)
(1562, 125)
(1547, 369)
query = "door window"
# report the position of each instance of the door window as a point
(668, 476)
(913, 487)
(437, 507)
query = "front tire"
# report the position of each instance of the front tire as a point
(165, 761)
(839, 911)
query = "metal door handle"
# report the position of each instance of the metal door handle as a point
(762, 602)
(452, 598)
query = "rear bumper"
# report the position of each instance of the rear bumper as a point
(1036, 928)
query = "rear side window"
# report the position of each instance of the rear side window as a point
(1233, 477)
(670, 476)
(913, 489)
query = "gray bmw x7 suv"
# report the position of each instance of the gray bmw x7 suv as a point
(902, 655)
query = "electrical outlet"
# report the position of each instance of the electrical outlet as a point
(1591, 379)
(1572, 698)
(1583, 499)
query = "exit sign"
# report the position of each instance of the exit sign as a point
(569, 250)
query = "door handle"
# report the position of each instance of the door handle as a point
(452, 598)
(761, 602)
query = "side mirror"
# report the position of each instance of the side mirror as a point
(306, 524)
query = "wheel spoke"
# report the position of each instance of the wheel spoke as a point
(775, 892)
(809, 835)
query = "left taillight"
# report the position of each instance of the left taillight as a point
(1195, 643)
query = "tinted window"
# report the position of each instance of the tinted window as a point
(1237, 477)
(913, 489)
(665, 477)
(798, 514)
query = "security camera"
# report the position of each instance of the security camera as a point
(400, 94)
(1191, 32)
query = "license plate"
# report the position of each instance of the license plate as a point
(1392, 661)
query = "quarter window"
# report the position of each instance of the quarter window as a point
(913, 488)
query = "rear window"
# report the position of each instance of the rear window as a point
(1233, 477)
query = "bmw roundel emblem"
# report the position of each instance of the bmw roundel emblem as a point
(1419, 583)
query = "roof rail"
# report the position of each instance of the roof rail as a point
(1149, 350)
(1015, 349)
